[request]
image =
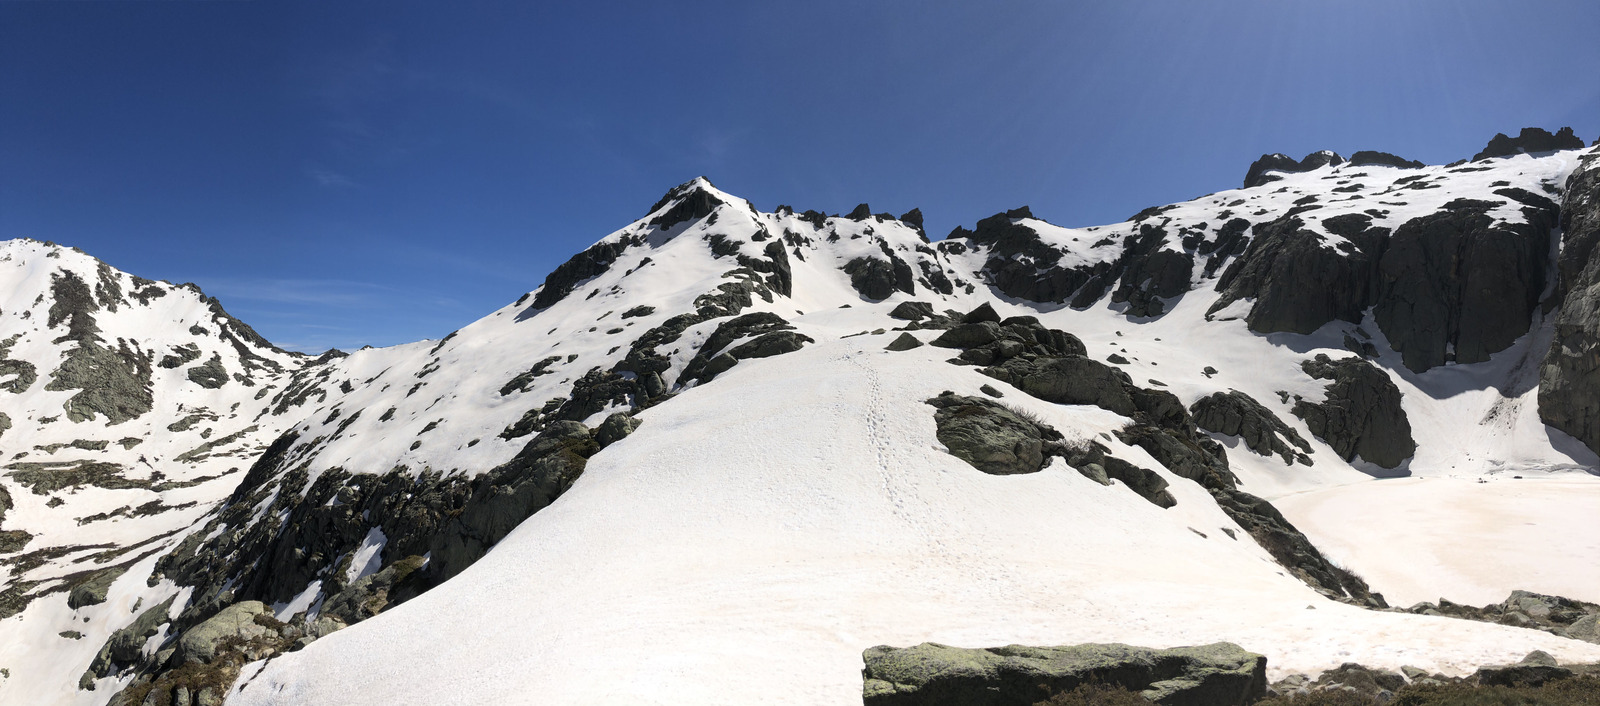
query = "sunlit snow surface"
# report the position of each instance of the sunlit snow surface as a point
(755, 535)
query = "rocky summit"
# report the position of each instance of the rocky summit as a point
(729, 455)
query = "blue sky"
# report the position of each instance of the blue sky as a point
(355, 173)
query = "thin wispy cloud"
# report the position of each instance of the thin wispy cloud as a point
(330, 180)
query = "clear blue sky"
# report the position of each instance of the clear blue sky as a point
(348, 173)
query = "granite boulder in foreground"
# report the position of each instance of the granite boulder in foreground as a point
(930, 674)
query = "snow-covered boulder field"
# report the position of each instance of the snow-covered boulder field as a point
(722, 452)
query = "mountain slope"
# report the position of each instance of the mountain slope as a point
(715, 445)
(130, 407)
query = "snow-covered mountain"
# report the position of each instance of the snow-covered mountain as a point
(722, 451)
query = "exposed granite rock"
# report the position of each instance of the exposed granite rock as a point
(911, 311)
(92, 591)
(1569, 379)
(770, 344)
(583, 266)
(1456, 281)
(1298, 284)
(1258, 173)
(1531, 139)
(114, 382)
(210, 375)
(615, 428)
(1021, 265)
(693, 202)
(237, 621)
(123, 647)
(1095, 463)
(1072, 379)
(1363, 158)
(773, 336)
(1525, 609)
(1536, 669)
(368, 595)
(1361, 416)
(904, 342)
(930, 674)
(877, 278)
(990, 436)
(1237, 414)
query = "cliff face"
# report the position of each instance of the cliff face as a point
(1569, 380)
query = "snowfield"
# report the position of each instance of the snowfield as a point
(1463, 538)
(737, 549)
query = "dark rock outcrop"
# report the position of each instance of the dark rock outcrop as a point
(1361, 415)
(1363, 158)
(93, 590)
(693, 202)
(1151, 273)
(904, 342)
(1531, 139)
(210, 375)
(1453, 286)
(1298, 283)
(1456, 281)
(1569, 379)
(773, 336)
(1237, 414)
(990, 436)
(114, 382)
(583, 266)
(1021, 265)
(930, 674)
(876, 278)
(1096, 463)
(911, 311)
(1260, 170)
(1059, 372)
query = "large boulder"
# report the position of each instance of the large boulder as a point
(930, 674)
(1361, 414)
(1534, 670)
(93, 590)
(235, 622)
(990, 436)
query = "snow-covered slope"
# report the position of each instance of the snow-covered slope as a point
(128, 409)
(789, 497)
